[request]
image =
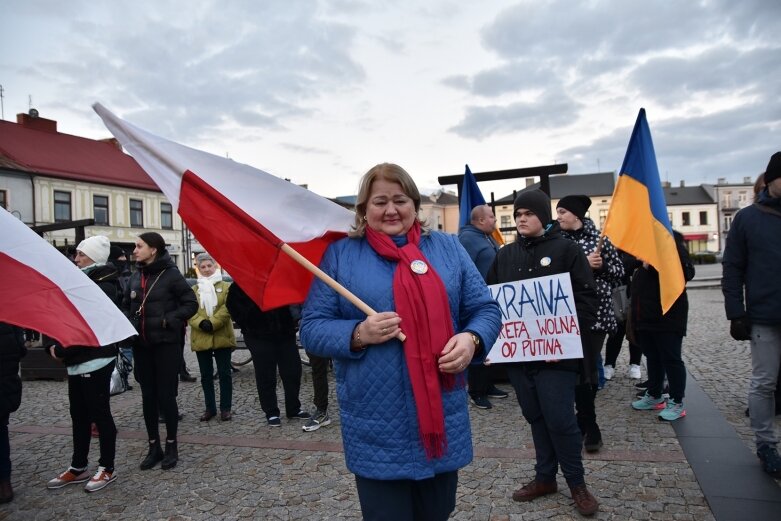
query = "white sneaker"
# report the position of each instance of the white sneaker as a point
(100, 480)
(609, 372)
(634, 372)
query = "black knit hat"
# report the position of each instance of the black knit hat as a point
(116, 252)
(154, 240)
(577, 204)
(773, 170)
(537, 202)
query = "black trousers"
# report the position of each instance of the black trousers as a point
(5, 448)
(432, 499)
(269, 354)
(319, 380)
(157, 371)
(479, 380)
(89, 399)
(613, 347)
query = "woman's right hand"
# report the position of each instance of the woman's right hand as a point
(379, 328)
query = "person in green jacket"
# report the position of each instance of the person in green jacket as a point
(212, 336)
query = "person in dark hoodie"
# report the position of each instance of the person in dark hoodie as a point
(89, 375)
(546, 390)
(12, 349)
(158, 302)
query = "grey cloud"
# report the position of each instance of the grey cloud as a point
(551, 109)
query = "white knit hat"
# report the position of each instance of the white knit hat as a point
(96, 248)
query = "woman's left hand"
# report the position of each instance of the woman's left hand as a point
(594, 260)
(457, 354)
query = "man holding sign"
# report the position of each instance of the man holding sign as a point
(549, 314)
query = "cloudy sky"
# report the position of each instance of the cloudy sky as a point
(319, 91)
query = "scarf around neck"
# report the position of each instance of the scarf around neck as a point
(422, 303)
(206, 292)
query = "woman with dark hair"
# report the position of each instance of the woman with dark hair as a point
(158, 302)
(607, 268)
(403, 406)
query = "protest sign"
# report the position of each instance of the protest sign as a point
(539, 320)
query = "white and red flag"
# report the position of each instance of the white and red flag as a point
(44, 291)
(240, 214)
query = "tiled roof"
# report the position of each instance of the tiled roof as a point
(680, 195)
(66, 156)
(601, 183)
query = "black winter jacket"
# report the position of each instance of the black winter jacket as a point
(523, 259)
(278, 322)
(751, 260)
(170, 301)
(107, 279)
(646, 301)
(11, 351)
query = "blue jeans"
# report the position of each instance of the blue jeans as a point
(662, 350)
(765, 359)
(547, 400)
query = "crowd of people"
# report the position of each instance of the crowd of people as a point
(414, 365)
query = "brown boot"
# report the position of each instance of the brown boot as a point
(6, 491)
(585, 502)
(535, 489)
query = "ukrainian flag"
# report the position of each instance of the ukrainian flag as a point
(637, 221)
(471, 197)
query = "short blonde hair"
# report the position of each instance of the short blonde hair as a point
(392, 173)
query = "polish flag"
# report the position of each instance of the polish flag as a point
(44, 291)
(241, 215)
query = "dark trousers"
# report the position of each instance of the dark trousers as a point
(223, 358)
(613, 347)
(547, 399)
(585, 408)
(432, 499)
(319, 380)
(157, 371)
(662, 350)
(479, 380)
(89, 398)
(5, 448)
(269, 354)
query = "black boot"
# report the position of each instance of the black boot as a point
(154, 455)
(592, 441)
(171, 456)
(6, 491)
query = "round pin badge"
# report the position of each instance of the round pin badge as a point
(419, 267)
(545, 261)
(133, 294)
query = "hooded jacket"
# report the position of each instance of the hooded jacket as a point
(170, 301)
(752, 257)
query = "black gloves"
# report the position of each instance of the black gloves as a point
(740, 329)
(206, 325)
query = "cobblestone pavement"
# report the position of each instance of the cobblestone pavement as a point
(244, 469)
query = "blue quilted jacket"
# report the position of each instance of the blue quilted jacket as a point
(377, 407)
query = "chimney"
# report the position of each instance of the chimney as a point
(35, 122)
(529, 181)
(683, 183)
(665, 184)
(113, 142)
(721, 181)
(748, 181)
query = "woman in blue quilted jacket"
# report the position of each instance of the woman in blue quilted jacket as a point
(403, 404)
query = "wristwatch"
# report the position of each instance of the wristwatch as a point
(475, 339)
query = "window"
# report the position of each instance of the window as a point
(602, 217)
(670, 218)
(685, 219)
(727, 222)
(4, 199)
(136, 213)
(166, 216)
(506, 222)
(742, 197)
(100, 209)
(62, 206)
(703, 217)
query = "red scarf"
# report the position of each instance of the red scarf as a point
(422, 303)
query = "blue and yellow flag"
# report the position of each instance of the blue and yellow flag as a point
(637, 221)
(471, 197)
